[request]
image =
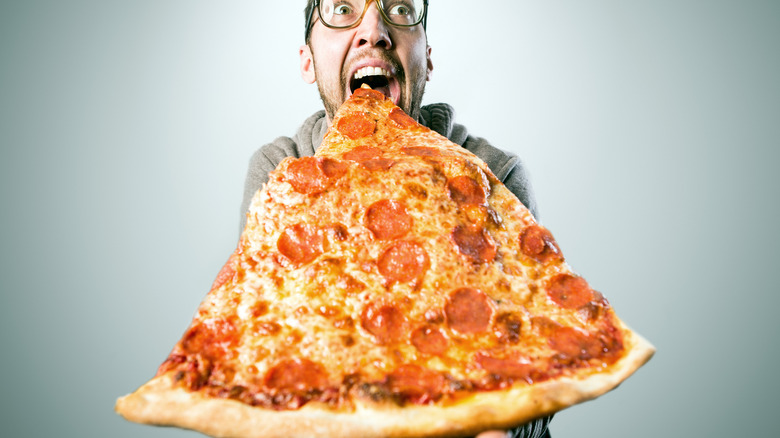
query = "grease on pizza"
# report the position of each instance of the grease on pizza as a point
(390, 285)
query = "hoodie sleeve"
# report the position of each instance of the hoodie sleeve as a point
(262, 162)
(507, 167)
(268, 157)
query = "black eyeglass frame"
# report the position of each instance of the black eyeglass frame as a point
(316, 5)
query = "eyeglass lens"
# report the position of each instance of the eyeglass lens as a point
(345, 13)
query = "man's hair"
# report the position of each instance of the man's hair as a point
(308, 20)
(306, 14)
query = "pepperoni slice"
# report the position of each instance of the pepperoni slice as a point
(369, 92)
(388, 219)
(296, 375)
(226, 273)
(596, 308)
(401, 118)
(333, 169)
(421, 151)
(301, 243)
(429, 340)
(474, 243)
(468, 311)
(356, 125)
(538, 243)
(465, 190)
(611, 340)
(362, 153)
(575, 344)
(312, 175)
(306, 176)
(211, 338)
(378, 164)
(544, 325)
(385, 322)
(507, 369)
(402, 262)
(569, 291)
(416, 384)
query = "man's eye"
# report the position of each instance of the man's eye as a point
(342, 10)
(400, 10)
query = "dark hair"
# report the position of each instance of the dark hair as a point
(307, 18)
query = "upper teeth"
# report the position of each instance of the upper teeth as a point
(371, 71)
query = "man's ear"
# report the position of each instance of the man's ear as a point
(307, 64)
(430, 64)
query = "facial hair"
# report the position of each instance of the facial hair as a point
(409, 102)
(412, 108)
(331, 99)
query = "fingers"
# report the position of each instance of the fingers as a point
(493, 434)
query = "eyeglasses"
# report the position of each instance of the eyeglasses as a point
(345, 14)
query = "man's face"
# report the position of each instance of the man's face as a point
(393, 60)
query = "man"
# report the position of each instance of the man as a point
(384, 44)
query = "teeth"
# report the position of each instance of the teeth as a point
(371, 71)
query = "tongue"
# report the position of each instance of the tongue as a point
(384, 90)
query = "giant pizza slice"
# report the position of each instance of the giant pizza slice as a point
(390, 285)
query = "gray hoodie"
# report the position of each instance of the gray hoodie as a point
(439, 117)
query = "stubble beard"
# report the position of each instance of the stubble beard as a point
(416, 96)
(409, 102)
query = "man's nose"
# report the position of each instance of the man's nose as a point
(373, 31)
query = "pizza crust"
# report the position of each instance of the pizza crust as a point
(160, 402)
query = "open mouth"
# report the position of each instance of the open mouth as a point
(375, 77)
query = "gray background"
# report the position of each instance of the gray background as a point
(650, 129)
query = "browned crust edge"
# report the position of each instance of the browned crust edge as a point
(158, 402)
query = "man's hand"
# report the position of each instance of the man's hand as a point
(493, 434)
